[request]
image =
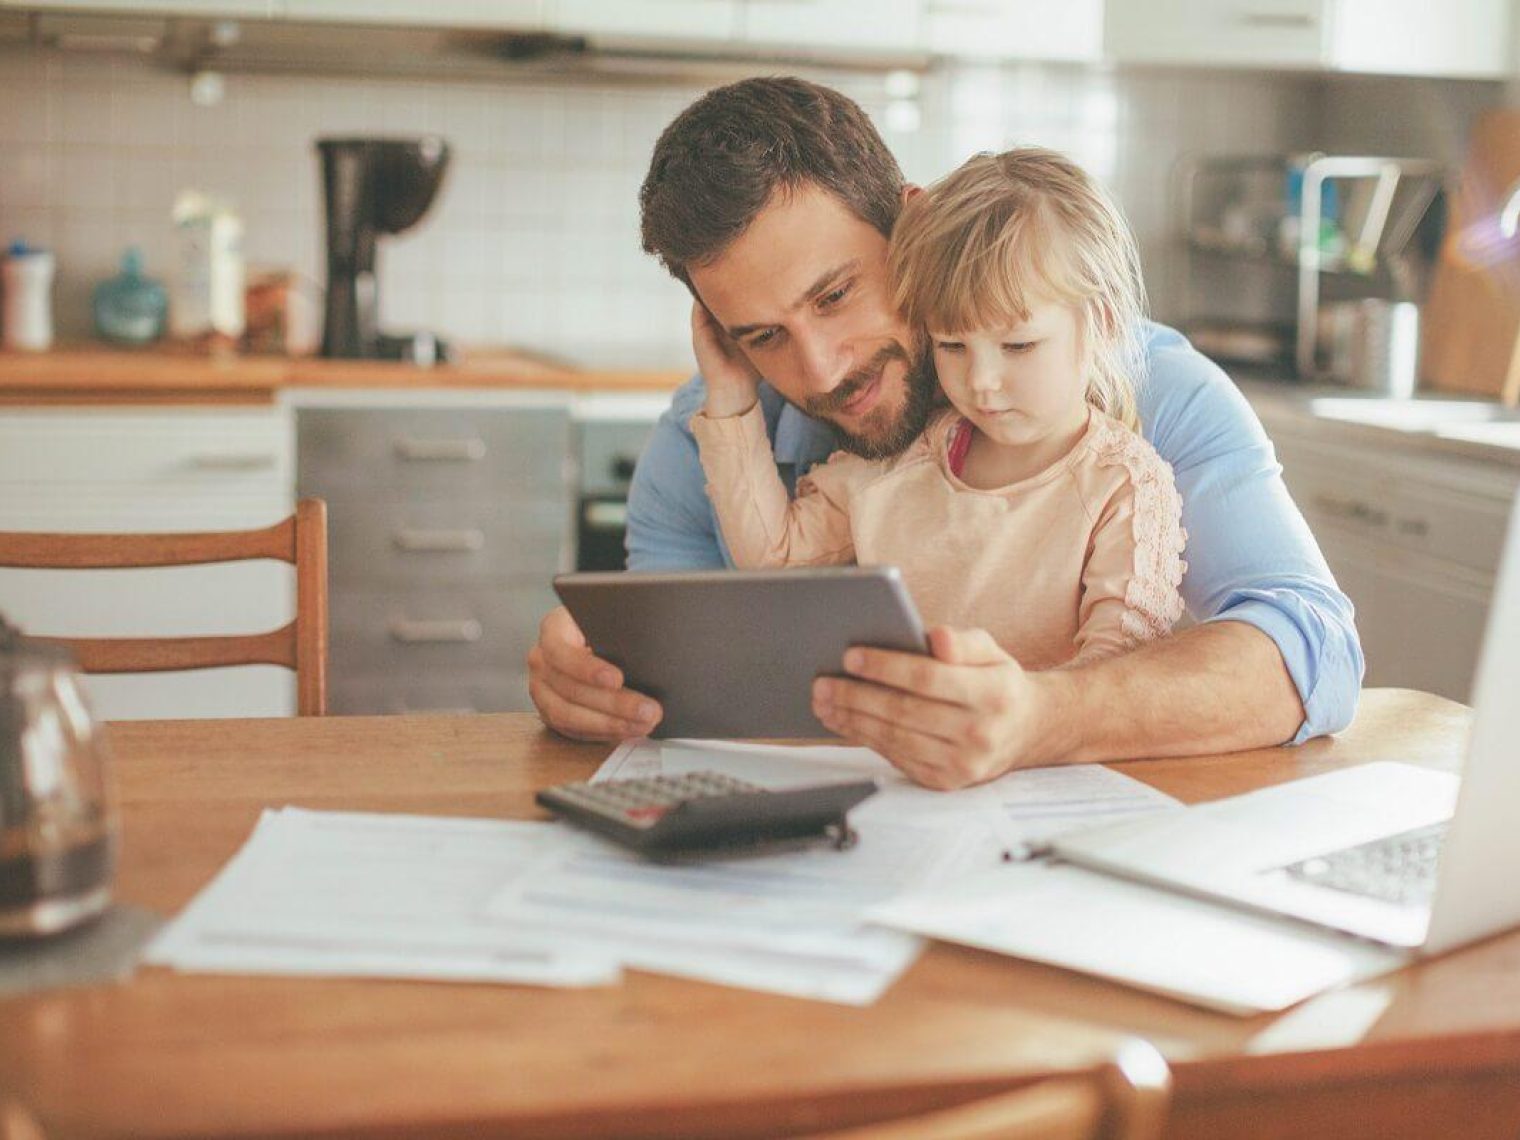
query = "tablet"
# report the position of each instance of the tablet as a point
(733, 653)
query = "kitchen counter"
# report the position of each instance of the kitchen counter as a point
(1437, 426)
(102, 375)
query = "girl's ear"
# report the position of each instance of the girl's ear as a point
(910, 191)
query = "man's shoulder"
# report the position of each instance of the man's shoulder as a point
(1185, 398)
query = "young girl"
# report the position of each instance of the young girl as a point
(1031, 507)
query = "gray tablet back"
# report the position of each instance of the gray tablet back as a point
(733, 653)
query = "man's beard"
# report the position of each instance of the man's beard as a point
(885, 431)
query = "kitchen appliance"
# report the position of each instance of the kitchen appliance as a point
(610, 434)
(57, 825)
(372, 187)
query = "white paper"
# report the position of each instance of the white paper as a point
(354, 894)
(1185, 948)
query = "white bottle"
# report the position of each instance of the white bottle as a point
(206, 292)
(27, 319)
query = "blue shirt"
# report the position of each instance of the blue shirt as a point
(1250, 554)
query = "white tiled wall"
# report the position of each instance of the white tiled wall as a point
(534, 240)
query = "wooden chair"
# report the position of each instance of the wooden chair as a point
(1126, 1099)
(300, 645)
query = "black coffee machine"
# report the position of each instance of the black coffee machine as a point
(373, 186)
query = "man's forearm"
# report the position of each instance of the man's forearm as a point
(1219, 687)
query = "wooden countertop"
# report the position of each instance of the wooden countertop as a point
(102, 375)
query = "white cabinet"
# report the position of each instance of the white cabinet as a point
(1014, 29)
(161, 470)
(1413, 539)
(513, 15)
(884, 25)
(717, 20)
(1392, 37)
(242, 9)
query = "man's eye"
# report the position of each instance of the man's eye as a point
(761, 340)
(834, 296)
(1019, 346)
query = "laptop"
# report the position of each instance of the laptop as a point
(1391, 852)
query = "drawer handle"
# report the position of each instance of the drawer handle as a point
(440, 541)
(233, 461)
(440, 450)
(1278, 19)
(1353, 509)
(453, 631)
(1418, 528)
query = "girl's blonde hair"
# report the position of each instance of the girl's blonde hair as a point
(976, 248)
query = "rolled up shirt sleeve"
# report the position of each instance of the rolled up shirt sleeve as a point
(1251, 556)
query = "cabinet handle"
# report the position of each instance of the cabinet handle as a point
(440, 541)
(233, 461)
(453, 631)
(1418, 528)
(413, 450)
(1353, 509)
(963, 8)
(1278, 19)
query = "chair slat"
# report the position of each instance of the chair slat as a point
(166, 654)
(43, 551)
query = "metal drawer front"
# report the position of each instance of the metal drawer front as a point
(415, 633)
(477, 692)
(480, 451)
(435, 541)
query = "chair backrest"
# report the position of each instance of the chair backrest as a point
(300, 644)
(1125, 1099)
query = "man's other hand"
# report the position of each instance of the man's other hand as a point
(577, 693)
(966, 714)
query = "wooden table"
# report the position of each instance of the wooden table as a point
(169, 1055)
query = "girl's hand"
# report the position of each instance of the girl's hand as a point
(731, 380)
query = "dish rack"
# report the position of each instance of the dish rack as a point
(1321, 227)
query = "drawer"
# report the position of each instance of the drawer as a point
(232, 452)
(411, 634)
(499, 691)
(477, 452)
(431, 539)
(1442, 522)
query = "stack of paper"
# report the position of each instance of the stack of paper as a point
(457, 899)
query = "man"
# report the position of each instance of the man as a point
(772, 200)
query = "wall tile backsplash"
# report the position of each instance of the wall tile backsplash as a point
(534, 239)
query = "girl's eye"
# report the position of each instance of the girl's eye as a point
(948, 346)
(1019, 346)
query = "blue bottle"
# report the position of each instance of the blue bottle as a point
(130, 308)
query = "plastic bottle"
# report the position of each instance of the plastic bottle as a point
(129, 308)
(26, 321)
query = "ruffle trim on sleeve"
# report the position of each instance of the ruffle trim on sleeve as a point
(1152, 599)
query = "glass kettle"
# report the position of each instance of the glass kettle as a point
(57, 821)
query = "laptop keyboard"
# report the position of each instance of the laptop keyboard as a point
(1397, 869)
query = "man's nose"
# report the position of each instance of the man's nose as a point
(823, 362)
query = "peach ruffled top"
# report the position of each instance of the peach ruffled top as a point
(1080, 561)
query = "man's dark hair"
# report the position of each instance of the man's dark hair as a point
(717, 165)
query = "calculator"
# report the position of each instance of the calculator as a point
(707, 811)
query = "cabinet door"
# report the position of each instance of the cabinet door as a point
(667, 19)
(1014, 29)
(1421, 622)
(1417, 37)
(120, 471)
(885, 25)
(1250, 33)
(526, 15)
